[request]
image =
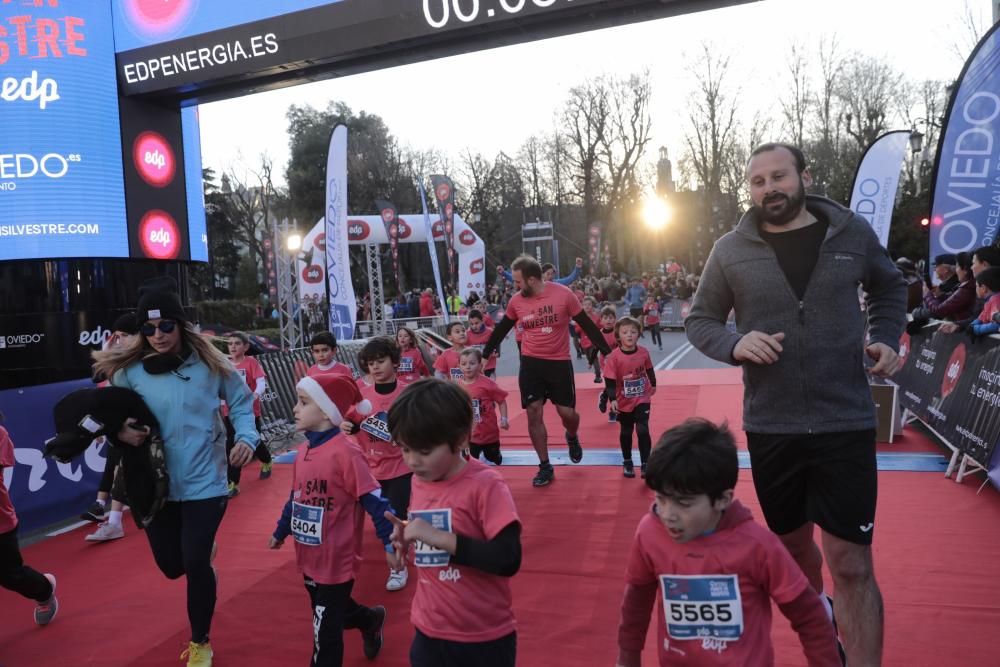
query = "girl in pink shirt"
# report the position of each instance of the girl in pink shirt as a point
(411, 359)
(464, 530)
(487, 399)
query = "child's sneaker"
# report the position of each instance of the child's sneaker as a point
(612, 417)
(642, 471)
(106, 532)
(234, 490)
(602, 402)
(198, 655)
(628, 469)
(373, 638)
(46, 611)
(96, 513)
(265, 470)
(397, 580)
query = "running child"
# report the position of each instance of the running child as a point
(609, 317)
(712, 567)
(380, 357)
(465, 530)
(252, 373)
(14, 574)
(651, 315)
(411, 359)
(629, 378)
(447, 366)
(323, 347)
(586, 345)
(487, 399)
(332, 488)
(477, 335)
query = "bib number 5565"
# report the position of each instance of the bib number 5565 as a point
(692, 612)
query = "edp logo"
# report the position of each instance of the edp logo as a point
(156, 159)
(160, 236)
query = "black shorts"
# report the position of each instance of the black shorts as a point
(830, 479)
(541, 379)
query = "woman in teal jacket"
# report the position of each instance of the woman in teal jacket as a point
(181, 377)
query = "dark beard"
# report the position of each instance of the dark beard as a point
(786, 213)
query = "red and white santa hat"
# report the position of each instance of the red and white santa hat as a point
(335, 395)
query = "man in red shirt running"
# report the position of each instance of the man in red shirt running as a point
(545, 309)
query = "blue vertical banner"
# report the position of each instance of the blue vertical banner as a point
(197, 226)
(340, 289)
(965, 208)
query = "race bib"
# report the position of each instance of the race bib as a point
(424, 554)
(406, 365)
(307, 524)
(377, 426)
(476, 415)
(702, 606)
(457, 374)
(635, 388)
(243, 373)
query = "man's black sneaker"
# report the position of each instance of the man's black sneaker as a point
(575, 450)
(642, 471)
(546, 473)
(628, 469)
(602, 402)
(96, 512)
(373, 638)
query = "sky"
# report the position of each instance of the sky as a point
(503, 96)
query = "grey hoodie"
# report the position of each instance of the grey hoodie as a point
(818, 384)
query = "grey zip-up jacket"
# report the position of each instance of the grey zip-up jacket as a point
(818, 384)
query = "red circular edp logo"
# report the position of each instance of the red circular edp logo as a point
(404, 229)
(476, 266)
(357, 230)
(313, 274)
(953, 371)
(387, 214)
(154, 159)
(158, 235)
(442, 191)
(467, 237)
(156, 17)
(320, 241)
(437, 229)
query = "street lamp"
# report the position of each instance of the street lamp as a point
(294, 242)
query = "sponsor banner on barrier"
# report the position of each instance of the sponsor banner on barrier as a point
(44, 491)
(952, 383)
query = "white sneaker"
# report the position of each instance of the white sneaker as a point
(397, 580)
(105, 532)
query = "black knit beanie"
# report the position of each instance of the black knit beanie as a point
(158, 299)
(126, 323)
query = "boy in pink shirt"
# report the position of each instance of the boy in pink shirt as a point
(380, 357)
(253, 374)
(608, 321)
(487, 399)
(332, 488)
(447, 366)
(631, 382)
(14, 574)
(323, 347)
(465, 531)
(477, 335)
(713, 569)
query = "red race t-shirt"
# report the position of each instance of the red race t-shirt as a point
(455, 602)
(327, 519)
(652, 311)
(384, 457)
(485, 394)
(411, 365)
(336, 368)
(8, 518)
(546, 317)
(478, 340)
(250, 370)
(585, 341)
(628, 370)
(447, 363)
(715, 591)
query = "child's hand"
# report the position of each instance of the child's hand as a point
(346, 426)
(418, 529)
(274, 544)
(398, 537)
(614, 405)
(504, 424)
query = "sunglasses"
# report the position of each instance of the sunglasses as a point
(166, 326)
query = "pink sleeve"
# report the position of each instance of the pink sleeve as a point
(815, 630)
(6, 449)
(649, 361)
(637, 607)
(780, 575)
(439, 363)
(419, 366)
(496, 507)
(572, 303)
(498, 393)
(639, 571)
(258, 371)
(510, 313)
(610, 369)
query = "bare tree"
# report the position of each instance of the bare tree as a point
(970, 28)
(869, 91)
(530, 160)
(624, 143)
(254, 199)
(797, 99)
(585, 119)
(712, 124)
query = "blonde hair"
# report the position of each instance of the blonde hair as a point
(472, 352)
(108, 362)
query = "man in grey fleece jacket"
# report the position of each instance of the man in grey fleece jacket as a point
(791, 271)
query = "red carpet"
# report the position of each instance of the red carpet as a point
(936, 551)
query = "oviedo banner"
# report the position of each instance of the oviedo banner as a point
(952, 383)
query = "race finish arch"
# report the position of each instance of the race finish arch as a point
(100, 171)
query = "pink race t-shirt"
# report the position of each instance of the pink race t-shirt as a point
(384, 457)
(447, 363)
(336, 368)
(327, 519)
(632, 385)
(455, 602)
(8, 518)
(545, 317)
(652, 311)
(485, 394)
(250, 370)
(719, 584)
(411, 365)
(478, 340)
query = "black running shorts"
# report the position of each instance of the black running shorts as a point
(830, 479)
(541, 379)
